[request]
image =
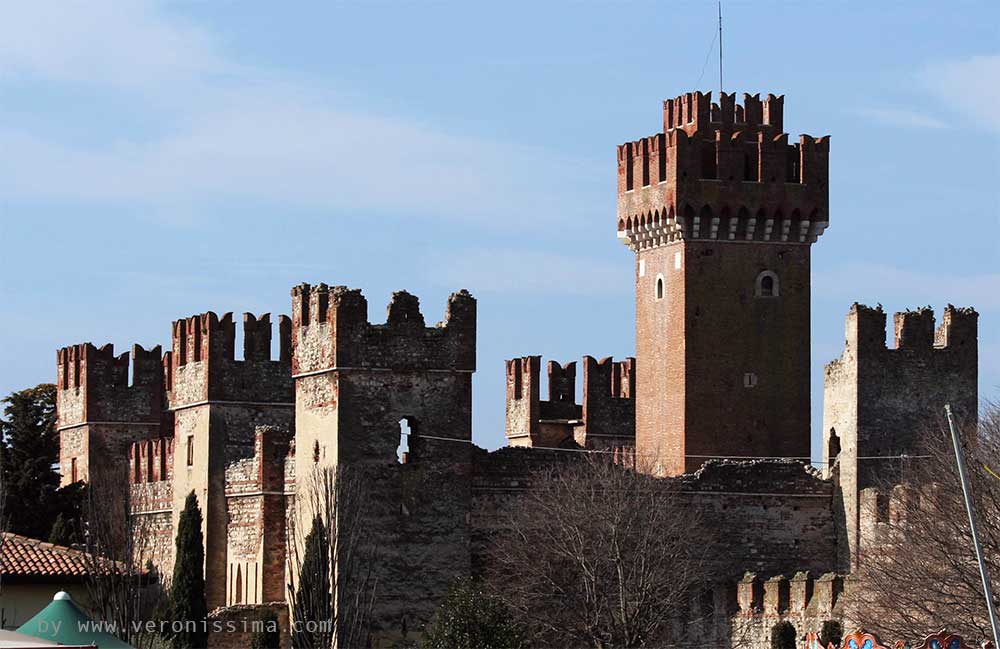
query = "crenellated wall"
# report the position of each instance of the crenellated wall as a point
(151, 500)
(392, 404)
(876, 400)
(722, 173)
(605, 419)
(100, 411)
(803, 600)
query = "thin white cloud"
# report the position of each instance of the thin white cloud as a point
(126, 44)
(296, 154)
(246, 134)
(498, 270)
(908, 288)
(902, 117)
(970, 87)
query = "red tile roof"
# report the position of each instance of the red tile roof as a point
(21, 556)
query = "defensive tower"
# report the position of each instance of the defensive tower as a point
(721, 212)
(391, 404)
(216, 404)
(101, 411)
(877, 400)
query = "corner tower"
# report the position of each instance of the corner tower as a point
(721, 212)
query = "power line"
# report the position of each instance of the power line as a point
(708, 57)
(632, 453)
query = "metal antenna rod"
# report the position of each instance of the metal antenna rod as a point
(720, 52)
(960, 460)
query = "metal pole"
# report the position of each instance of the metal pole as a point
(720, 61)
(960, 460)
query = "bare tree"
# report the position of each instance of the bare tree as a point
(920, 572)
(122, 593)
(334, 499)
(600, 555)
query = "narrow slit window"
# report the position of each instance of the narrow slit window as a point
(659, 288)
(190, 450)
(403, 450)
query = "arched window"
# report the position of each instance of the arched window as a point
(767, 285)
(659, 287)
(316, 452)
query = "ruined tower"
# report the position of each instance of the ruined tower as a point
(721, 212)
(390, 404)
(877, 400)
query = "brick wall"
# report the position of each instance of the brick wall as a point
(712, 206)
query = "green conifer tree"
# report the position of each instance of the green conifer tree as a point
(313, 606)
(28, 453)
(62, 532)
(188, 609)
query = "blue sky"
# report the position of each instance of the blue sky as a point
(160, 160)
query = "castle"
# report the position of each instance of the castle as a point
(721, 212)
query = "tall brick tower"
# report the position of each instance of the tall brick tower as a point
(721, 212)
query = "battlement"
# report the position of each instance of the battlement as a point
(695, 111)
(330, 330)
(607, 378)
(729, 166)
(92, 384)
(607, 408)
(802, 595)
(151, 460)
(914, 330)
(202, 364)
(205, 337)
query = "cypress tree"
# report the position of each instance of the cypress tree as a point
(313, 606)
(187, 592)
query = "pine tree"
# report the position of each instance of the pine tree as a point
(313, 606)
(28, 455)
(187, 592)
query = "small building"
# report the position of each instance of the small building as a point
(31, 572)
